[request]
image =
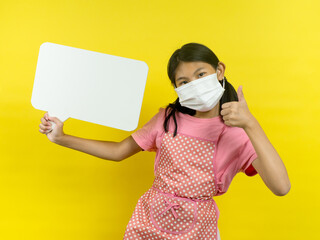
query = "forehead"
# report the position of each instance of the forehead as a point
(186, 69)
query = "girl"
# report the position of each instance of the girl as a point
(202, 141)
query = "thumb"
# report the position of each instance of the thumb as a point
(240, 94)
(54, 119)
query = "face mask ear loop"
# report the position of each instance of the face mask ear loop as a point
(223, 82)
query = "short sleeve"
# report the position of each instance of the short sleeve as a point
(146, 136)
(247, 155)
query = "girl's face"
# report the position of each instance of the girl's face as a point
(189, 71)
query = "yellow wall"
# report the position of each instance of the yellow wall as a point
(270, 47)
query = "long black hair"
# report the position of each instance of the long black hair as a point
(193, 52)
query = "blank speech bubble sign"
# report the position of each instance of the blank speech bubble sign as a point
(89, 86)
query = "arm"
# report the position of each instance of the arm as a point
(114, 151)
(268, 164)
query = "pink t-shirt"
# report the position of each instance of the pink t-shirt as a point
(234, 151)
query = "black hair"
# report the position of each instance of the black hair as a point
(193, 52)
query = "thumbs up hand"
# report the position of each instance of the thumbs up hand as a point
(236, 113)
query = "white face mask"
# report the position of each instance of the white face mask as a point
(201, 94)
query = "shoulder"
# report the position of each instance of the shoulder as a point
(235, 133)
(161, 113)
(157, 119)
(234, 137)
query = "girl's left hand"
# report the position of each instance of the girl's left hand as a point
(237, 114)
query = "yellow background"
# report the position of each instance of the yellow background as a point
(271, 48)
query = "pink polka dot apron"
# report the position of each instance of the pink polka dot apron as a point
(180, 203)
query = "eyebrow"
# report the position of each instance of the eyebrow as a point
(180, 78)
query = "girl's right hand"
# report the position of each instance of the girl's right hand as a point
(45, 127)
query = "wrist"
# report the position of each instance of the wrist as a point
(251, 123)
(59, 140)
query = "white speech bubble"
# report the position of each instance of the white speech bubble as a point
(89, 86)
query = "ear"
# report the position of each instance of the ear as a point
(220, 70)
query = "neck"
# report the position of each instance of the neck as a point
(214, 112)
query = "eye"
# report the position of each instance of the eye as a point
(201, 73)
(181, 83)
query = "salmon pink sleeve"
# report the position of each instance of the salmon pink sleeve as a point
(247, 155)
(146, 136)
